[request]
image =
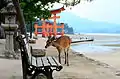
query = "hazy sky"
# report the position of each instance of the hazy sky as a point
(98, 10)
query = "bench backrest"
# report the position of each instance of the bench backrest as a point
(24, 49)
(39, 62)
(28, 50)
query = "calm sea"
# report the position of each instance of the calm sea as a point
(97, 46)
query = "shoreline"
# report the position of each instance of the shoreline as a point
(108, 34)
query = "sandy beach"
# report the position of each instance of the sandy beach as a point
(87, 66)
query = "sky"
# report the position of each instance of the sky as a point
(97, 10)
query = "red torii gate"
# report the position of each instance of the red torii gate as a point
(54, 12)
(52, 28)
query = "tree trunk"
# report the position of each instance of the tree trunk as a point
(20, 17)
(21, 22)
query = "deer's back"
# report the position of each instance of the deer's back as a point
(64, 41)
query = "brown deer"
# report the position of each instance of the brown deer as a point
(61, 43)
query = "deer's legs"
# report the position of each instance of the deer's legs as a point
(65, 55)
(59, 58)
(59, 51)
(67, 60)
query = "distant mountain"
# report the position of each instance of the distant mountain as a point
(82, 25)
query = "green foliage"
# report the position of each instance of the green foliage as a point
(36, 8)
(39, 8)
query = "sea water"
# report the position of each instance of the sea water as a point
(97, 46)
(91, 48)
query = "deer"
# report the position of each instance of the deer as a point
(61, 43)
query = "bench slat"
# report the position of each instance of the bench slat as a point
(52, 62)
(34, 61)
(45, 61)
(56, 61)
(39, 62)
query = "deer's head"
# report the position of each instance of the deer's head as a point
(50, 41)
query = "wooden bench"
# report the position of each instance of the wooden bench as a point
(33, 66)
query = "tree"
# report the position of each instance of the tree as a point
(39, 8)
(33, 8)
(36, 8)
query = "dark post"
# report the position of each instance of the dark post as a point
(30, 29)
(24, 66)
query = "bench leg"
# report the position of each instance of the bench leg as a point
(49, 73)
(24, 67)
(37, 75)
(24, 72)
